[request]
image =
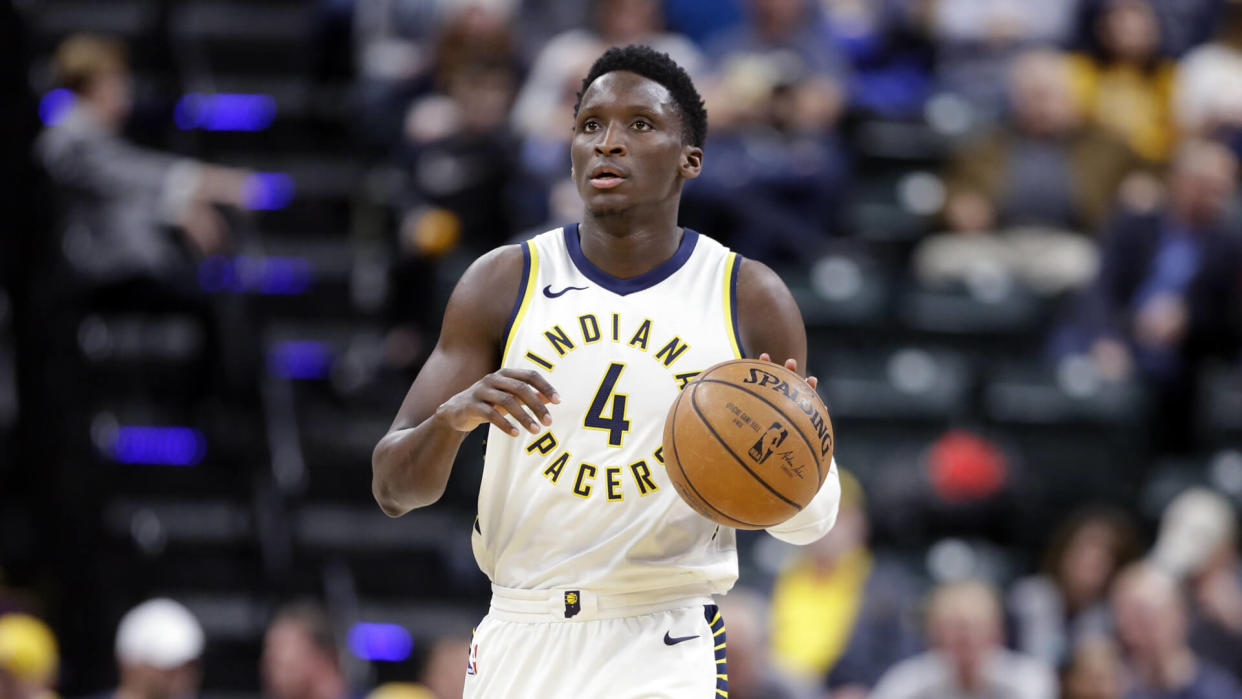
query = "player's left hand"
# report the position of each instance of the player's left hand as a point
(792, 365)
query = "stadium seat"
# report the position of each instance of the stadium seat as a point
(894, 383)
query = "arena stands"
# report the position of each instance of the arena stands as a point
(933, 180)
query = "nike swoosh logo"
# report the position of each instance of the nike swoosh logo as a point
(671, 641)
(547, 290)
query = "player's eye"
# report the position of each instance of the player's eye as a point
(590, 125)
(643, 125)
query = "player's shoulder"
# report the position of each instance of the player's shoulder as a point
(487, 290)
(491, 285)
(757, 280)
(767, 314)
(495, 266)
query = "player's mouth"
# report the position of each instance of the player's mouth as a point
(607, 177)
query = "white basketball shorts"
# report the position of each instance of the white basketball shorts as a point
(577, 646)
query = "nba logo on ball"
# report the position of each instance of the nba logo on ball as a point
(747, 444)
(770, 440)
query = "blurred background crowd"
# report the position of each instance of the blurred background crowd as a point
(1012, 227)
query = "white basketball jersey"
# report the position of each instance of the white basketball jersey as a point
(587, 503)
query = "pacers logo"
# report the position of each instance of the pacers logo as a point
(771, 439)
(572, 603)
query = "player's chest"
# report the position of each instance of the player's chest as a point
(593, 354)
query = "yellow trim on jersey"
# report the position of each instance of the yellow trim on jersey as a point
(728, 305)
(527, 293)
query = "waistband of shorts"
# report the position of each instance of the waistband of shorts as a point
(573, 604)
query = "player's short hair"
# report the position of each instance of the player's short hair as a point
(657, 66)
(81, 58)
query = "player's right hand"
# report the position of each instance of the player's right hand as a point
(511, 392)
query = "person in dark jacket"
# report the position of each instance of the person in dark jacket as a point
(1168, 293)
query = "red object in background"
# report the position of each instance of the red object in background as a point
(964, 467)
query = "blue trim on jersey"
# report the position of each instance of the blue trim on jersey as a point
(735, 329)
(521, 295)
(624, 287)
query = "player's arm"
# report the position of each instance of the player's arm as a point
(459, 389)
(771, 326)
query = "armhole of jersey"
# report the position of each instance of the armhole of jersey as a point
(530, 272)
(733, 263)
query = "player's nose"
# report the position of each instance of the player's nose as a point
(609, 143)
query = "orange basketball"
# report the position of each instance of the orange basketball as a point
(747, 444)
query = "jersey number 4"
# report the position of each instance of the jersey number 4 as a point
(615, 423)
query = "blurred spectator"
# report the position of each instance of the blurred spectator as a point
(1167, 293)
(838, 614)
(461, 161)
(1184, 24)
(784, 44)
(395, 53)
(1068, 599)
(135, 220)
(442, 675)
(1188, 23)
(159, 644)
(406, 47)
(1124, 83)
(392, 43)
(794, 26)
(1198, 545)
(888, 49)
(460, 156)
(775, 163)
(1208, 95)
(538, 112)
(1151, 623)
(1046, 168)
(545, 152)
(977, 39)
(1041, 182)
(965, 632)
(118, 198)
(28, 658)
(703, 20)
(392, 37)
(401, 690)
(537, 21)
(1094, 670)
(473, 35)
(300, 658)
(444, 669)
(751, 675)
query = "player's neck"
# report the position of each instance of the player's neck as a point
(625, 246)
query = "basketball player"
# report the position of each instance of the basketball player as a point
(601, 575)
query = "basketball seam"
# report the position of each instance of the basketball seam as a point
(694, 404)
(814, 449)
(685, 477)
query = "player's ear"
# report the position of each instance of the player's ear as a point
(691, 162)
